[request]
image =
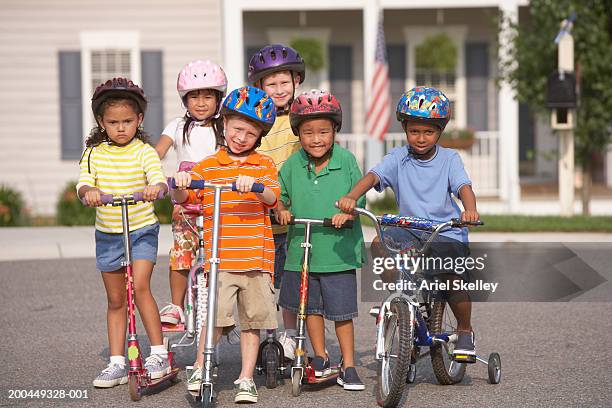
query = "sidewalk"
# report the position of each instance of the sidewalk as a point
(78, 242)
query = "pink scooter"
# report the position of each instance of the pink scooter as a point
(138, 377)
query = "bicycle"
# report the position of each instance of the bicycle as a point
(138, 377)
(410, 319)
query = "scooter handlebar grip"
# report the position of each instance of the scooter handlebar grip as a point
(139, 196)
(194, 185)
(255, 188)
(327, 222)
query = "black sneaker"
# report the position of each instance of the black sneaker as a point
(321, 366)
(465, 350)
(349, 380)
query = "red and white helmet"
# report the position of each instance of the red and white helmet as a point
(312, 105)
(201, 75)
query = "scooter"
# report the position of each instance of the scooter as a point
(139, 379)
(206, 390)
(301, 371)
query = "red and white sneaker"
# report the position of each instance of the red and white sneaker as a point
(171, 314)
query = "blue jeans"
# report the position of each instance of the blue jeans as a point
(280, 255)
(109, 247)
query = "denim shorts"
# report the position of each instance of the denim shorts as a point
(331, 294)
(280, 255)
(109, 247)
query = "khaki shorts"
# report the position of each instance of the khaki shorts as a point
(254, 294)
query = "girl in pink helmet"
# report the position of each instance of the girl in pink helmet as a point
(201, 86)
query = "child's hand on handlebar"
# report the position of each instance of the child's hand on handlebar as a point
(347, 205)
(151, 192)
(182, 179)
(244, 183)
(93, 197)
(470, 216)
(283, 217)
(339, 219)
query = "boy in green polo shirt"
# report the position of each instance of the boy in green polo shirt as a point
(312, 179)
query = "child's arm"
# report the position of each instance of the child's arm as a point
(468, 199)
(179, 194)
(156, 181)
(244, 185)
(283, 216)
(164, 144)
(348, 202)
(86, 186)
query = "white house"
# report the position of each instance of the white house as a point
(53, 54)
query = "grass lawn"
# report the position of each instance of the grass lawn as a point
(519, 223)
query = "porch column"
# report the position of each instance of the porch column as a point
(233, 45)
(508, 123)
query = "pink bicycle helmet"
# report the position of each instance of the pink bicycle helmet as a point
(312, 105)
(201, 75)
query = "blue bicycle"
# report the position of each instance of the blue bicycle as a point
(410, 319)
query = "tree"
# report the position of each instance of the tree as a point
(532, 56)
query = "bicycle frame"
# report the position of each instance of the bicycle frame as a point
(422, 335)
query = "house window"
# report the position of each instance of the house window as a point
(105, 55)
(106, 64)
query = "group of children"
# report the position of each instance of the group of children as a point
(261, 133)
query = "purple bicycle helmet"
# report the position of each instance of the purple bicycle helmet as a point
(273, 58)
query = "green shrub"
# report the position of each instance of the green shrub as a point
(12, 208)
(163, 210)
(70, 210)
(385, 205)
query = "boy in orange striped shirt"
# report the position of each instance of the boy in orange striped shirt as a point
(246, 245)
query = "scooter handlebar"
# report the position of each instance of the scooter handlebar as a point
(136, 197)
(201, 184)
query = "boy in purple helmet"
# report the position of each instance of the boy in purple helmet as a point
(279, 70)
(423, 176)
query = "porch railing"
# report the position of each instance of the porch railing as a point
(481, 160)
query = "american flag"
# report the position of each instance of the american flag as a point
(378, 117)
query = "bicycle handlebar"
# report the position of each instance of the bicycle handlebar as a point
(202, 184)
(414, 223)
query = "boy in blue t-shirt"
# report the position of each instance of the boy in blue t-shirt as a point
(423, 176)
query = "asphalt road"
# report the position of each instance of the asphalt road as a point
(54, 337)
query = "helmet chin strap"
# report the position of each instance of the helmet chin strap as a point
(326, 156)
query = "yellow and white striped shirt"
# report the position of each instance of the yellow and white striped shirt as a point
(121, 170)
(279, 144)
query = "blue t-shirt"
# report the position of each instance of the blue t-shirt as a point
(423, 187)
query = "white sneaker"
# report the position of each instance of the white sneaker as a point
(288, 344)
(157, 366)
(112, 375)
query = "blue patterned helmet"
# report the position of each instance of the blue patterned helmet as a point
(424, 104)
(251, 103)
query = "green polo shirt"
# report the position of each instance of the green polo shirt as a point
(310, 195)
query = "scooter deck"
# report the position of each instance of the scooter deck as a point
(310, 378)
(173, 373)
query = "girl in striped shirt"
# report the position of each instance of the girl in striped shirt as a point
(118, 160)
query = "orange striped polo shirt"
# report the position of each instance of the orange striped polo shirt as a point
(245, 234)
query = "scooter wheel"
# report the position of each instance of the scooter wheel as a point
(271, 366)
(296, 383)
(134, 387)
(494, 367)
(411, 374)
(207, 400)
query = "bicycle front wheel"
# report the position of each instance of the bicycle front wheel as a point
(395, 362)
(446, 370)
